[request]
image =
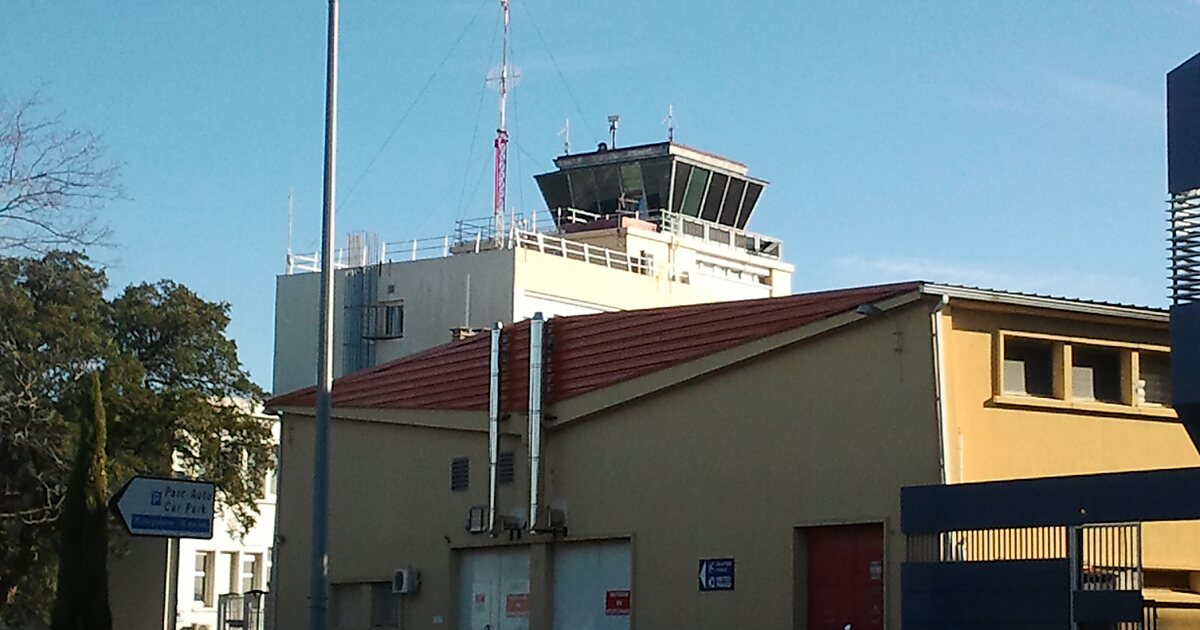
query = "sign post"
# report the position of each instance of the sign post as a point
(165, 507)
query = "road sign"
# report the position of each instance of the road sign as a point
(716, 574)
(165, 507)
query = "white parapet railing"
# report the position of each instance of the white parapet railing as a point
(475, 236)
(741, 240)
(576, 250)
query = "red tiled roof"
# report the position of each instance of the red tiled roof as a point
(586, 352)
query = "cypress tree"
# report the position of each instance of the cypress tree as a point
(81, 602)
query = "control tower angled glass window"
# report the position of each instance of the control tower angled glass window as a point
(656, 176)
(697, 183)
(608, 187)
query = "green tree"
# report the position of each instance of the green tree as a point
(81, 600)
(169, 375)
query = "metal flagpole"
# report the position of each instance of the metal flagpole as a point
(319, 568)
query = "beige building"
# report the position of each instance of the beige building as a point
(638, 227)
(732, 465)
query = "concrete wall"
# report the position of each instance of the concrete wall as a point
(995, 437)
(137, 582)
(434, 293)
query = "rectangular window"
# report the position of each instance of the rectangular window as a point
(1096, 374)
(383, 321)
(1154, 379)
(460, 474)
(230, 560)
(506, 468)
(202, 578)
(251, 571)
(1028, 367)
(273, 476)
(383, 605)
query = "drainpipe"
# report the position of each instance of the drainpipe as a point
(536, 327)
(939, 376)
(493, 424)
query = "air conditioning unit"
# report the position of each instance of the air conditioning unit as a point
(551, 520)
(406, 581)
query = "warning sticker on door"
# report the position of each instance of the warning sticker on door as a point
(516, 605)
(616, 603)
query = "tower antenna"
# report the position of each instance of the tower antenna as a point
(499, 197)
(290, 264)
(670, 123)
(565, 132)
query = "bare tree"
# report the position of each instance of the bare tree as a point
(53, 180)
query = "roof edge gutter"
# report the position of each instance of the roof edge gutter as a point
(1036, 301)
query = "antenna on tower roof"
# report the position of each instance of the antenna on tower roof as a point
(613, 121)
(499, 197)
(669, 121)
(290, 261)
(565, 132)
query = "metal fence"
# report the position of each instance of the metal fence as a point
(247, 611)
(989, 545)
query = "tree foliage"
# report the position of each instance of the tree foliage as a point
(53, 179)
(81, 598)
(170, 378)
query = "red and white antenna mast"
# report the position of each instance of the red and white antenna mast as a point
(499, 198)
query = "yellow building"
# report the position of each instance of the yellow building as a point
(733, 465)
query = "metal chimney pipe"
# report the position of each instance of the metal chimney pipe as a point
(536, 328)
(493, 424)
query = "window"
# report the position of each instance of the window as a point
(231, 564)
(1154, 379)
(505, 468)
(273, 476)
(460, 474)
(1096, 374)
(1091, 375)
(1028, 367)
(384, 321)
(251, 570)
(202, 578)
(383, 605)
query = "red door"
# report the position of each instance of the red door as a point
(845, 577)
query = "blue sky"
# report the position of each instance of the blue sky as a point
(1016, 145)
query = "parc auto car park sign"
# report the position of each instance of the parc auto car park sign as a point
(165, 507)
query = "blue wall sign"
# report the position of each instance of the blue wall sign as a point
(716, 574)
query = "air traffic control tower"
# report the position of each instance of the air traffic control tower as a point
(649, 180)
(1183, 184)
(639, 227)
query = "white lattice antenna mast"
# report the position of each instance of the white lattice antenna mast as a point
(499, 197)
(669, 121)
